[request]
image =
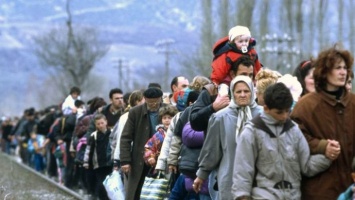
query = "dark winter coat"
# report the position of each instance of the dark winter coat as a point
(99, 150)
(201, 111)
(135, 134)
(183, 119)
(28, 128)
(65, 133)
(321, 116)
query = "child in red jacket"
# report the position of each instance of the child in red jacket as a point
(228, 49)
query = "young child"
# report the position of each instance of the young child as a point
(61, 160)
(239, 43)
(68, 104)
(98, 154)
(154, 144)
(272, 153)
(36, 148)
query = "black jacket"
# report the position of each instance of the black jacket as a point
(183, 119)
(201, 111)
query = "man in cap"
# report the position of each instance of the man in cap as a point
(138, 129)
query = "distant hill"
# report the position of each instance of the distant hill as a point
(131, 29)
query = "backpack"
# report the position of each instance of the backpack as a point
(188, 162)
(80, 150)
(220, 47)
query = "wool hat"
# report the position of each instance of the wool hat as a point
(237, 31)
(152, 92)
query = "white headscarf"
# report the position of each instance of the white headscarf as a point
(244, 112)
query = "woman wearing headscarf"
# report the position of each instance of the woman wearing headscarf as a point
(218, 150)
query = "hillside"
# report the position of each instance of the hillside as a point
(131, 29)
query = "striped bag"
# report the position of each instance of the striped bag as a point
(154, 188)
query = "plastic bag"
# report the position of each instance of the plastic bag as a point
(154, 188)
(348, 194)
(114, 186)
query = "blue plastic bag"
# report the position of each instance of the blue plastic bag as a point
(348, 194)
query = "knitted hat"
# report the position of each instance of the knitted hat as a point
(237, 31)
(153, 92)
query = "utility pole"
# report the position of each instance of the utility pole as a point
(164, 47)
(280, 52)
(119, 67)
(120, 73)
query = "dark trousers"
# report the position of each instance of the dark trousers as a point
(91, 181)
(101, 174)
(24, 153)
(81, 175)
(70, 179)
(51, 162)
(141, 182)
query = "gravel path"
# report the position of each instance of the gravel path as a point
(18, 182)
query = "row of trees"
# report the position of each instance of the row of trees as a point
(313, 25)
(70, 53)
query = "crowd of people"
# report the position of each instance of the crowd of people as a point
(247, 132)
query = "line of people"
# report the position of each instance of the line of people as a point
(247, 133)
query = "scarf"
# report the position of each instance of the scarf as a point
(244, 115)
(244, 112)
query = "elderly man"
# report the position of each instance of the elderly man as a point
(138, 129)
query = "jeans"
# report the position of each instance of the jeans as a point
(179, 192)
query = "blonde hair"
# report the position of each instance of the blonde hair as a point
(198, 82)
(136, 95)
(264, 78)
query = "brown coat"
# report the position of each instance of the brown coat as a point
(136, 131)
(320, 117)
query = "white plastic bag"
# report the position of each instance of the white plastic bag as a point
(114, 186)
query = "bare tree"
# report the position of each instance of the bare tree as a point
(263, 28)
(244, 13)
(312, 27)
(70, 53)
(300, 23)
(351, 25)
(200, 61)
(323, 37)
(340, 19)
(224, 18)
